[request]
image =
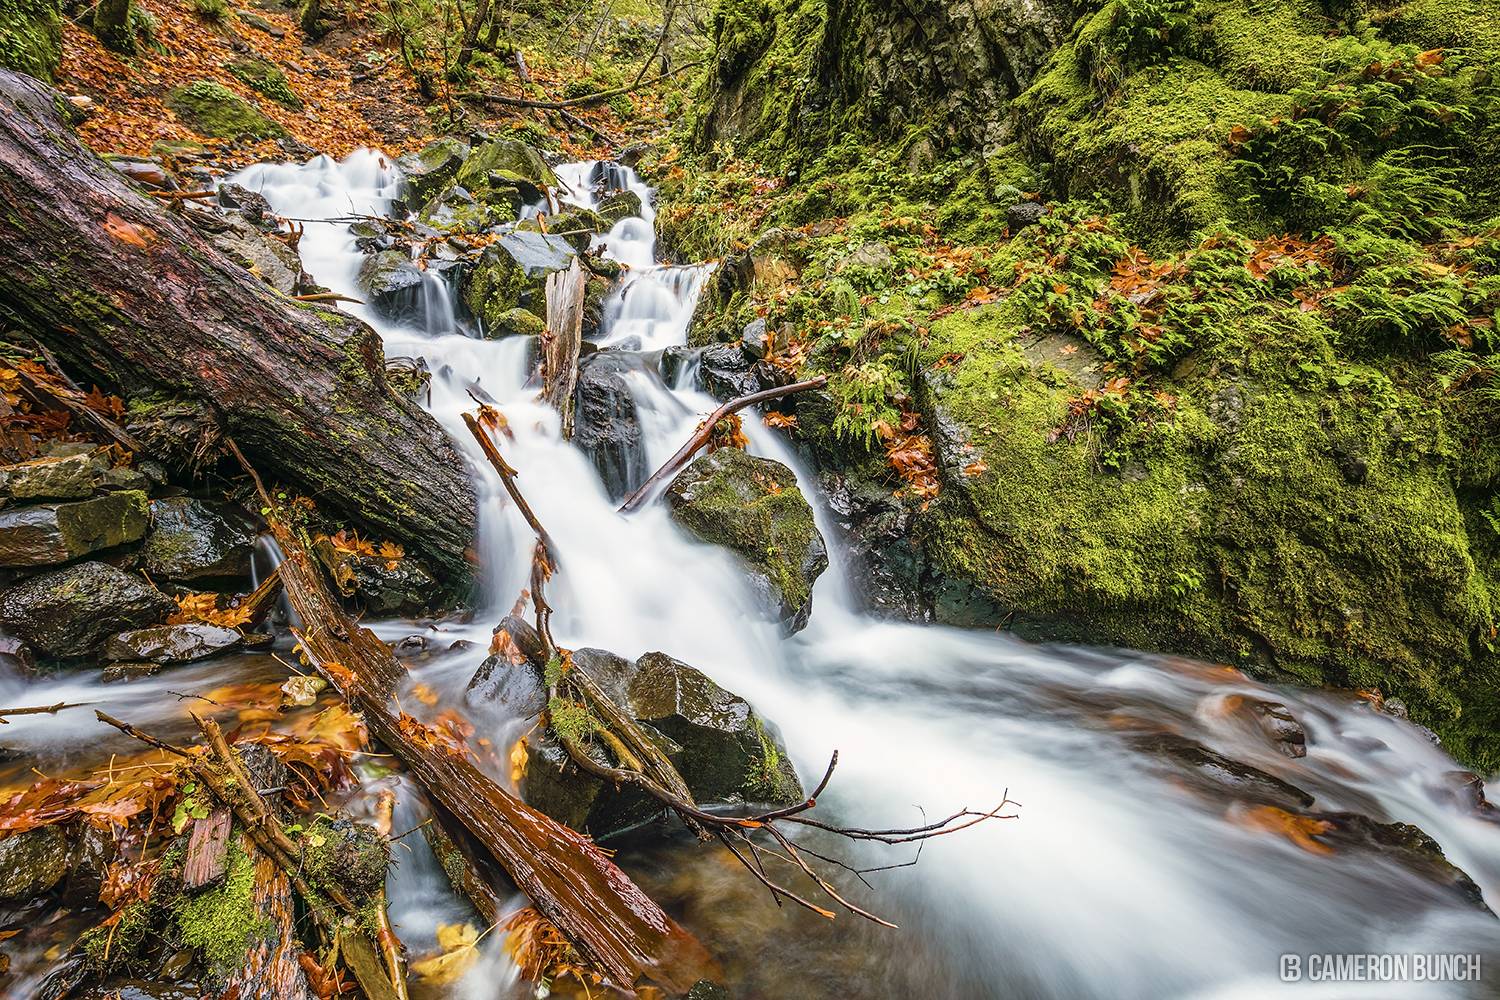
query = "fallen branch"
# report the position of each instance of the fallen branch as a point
(579, 102)
(39, 710)
(101, 423)
(563, 340)
(705, 431)
(327, 297)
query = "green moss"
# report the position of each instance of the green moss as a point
(571, 721)
(770, 777)
(265, 78)
(222, 921)
(212, 109)
(30, 37)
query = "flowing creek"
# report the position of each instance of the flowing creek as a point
(1131, 871)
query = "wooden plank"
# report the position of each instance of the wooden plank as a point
(207, 850)
(563, 340)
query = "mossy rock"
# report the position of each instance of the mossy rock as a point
(264, 78)
(504, 162)
(56, 533)
(752, 506)
(432, 166)
(212, 109)
(31, 37)
(512, 274)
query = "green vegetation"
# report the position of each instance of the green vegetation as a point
(1229, 384)
(214, 110)
(30, 37)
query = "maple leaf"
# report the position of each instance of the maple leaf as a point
(518, 759)
(302, 690)
(1300, 830)
(204, 607)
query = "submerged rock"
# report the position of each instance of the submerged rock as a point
(198, 540)
(170, 643)
(723, 749)
(33, 862)
(55, 533)
(431, 167)
(606, 425)
(753, 507)
(71, 612)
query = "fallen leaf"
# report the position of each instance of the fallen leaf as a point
(302, 691)
(460, 944)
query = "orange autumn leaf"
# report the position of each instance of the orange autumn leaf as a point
(1300, 830)
(128, 232)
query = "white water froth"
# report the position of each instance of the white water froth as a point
(1115, 882)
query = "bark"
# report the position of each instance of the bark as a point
(615, 926)
(471, 33)
(564, 339)
(270, 967)
(130, 297)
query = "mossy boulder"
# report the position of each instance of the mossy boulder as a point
(512, 274)
(71, 612)
(212, 109)
(578, 226)
(619, 205)
(33, 862)
(752, 506)
(503, 163)
(265, 78)
(723, 749)
(55, 477)
(31, 37)
(55, 533)
(430, 168)
(194, 539)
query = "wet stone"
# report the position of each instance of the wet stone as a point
(68, 477)
(725, 372)
(170, 643)
(433, 166)
(55, 533)
(33, 862)
(392, 285)
(198, 540)
(606, 425)
(71, 612)
(619, 205)
(1214, 774)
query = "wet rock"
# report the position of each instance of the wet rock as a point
(619, 205)
(170, 643)
(198, 540)
(512, 679)
(15, 657)
(383, 585)
(277, 264)
(1282, 727)
(605, 423)
(578, 226)
(1214, 774)
(755, 340)
(705, 989)
(723, 749)
(126, 670)
(725, 371)
(1401, 843)
(759, 270)
(369, 237)
(505, 162)
(753, 507)
(392, 284)
(68, 477)
(633, 153)
(512, 274)
(515, 322)
(431, 167)
(33, 862)
(1023, 214)
(1467, 790)
(212, 109)
(55, 533)
(70, 612)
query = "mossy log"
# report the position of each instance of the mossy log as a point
(130, 297)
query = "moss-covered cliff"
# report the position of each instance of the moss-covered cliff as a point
(1173, 324)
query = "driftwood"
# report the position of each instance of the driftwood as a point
(303, 389)
(617, 928)
(705, 431)
(564, 338)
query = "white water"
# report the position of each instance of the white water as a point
(1116, 881)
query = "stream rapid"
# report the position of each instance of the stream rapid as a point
(1125, 875)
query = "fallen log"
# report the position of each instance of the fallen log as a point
(131, 297)
(705, 431)
(563, 340)
(616, 927)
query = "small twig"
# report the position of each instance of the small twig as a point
(328, 297)
(40, 709)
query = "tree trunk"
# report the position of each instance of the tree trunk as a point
(471, 33)
(135, 300)
(112, 25)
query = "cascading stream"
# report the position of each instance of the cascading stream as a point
(1118, 881)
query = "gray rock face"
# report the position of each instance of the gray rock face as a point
(752, 507)
(198, 540)
(1023, 214)
(605, 423)
(431, 167)
(723, 749)
(512, 274)
(67, 477)
(170, 643)
(392, 284)
(725, 371)
(70, 612)
(55, 533)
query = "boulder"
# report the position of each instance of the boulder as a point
(723, 749)
(1023, 214)
(455, 207)
(606, 426)
(392, 285)
(431, 167)
(66, 477)
(515, 322)
(170, 643)
(383, 585)
(619, 205)
(504, 163)
(578, 226)
(70, 612)
(753, 507)
(55, 533)
(726, 371)
(275, 263)
(512, 274)
(212, 109)
(33, 862)
(266, 78)
(198, 540)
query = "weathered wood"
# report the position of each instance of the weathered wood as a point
(565, 290)
(207, 850)
(618, 929)
(134, 299)
(270, 967)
